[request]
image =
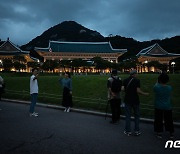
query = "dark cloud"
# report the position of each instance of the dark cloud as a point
(22, 20)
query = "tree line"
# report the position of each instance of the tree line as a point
(20, 63)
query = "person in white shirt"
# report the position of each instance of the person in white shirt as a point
(33, 92)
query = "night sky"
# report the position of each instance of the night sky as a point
(23, 20)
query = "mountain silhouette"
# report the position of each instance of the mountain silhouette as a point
(65, 31)
(71, 31)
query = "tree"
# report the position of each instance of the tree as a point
(129, 64)
(19, 58)
(64, 64)
(50, 65)
(19, 62)
(76, 63)
(116, 66)
(7, 64)
(17, 65)
(156, 64)
(33, 64)
(101, 63)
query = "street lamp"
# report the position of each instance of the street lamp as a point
(146, 62)
(1, 64)
(146, 67)
(173, 63)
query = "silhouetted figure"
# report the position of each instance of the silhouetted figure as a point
(66, 82)
(114, 88)
(132, 89)
(2, 86)
(163, 106)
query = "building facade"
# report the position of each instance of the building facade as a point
(154, 53)
(9, 50)
(80, 50)
(83, 50)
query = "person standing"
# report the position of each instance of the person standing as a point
(114, 87)
(33, 91)
(163, 106)
(1, 86)
(131, 86)
(66, 83)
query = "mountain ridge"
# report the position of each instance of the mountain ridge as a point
(71, 31)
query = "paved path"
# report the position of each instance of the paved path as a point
(71, 133)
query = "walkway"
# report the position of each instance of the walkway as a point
(71, 133)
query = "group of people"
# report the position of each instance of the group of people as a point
(131, 87)
(66, 83)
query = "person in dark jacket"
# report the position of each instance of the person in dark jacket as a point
(131, 86)
(1, 86)
(114, 96)
(66, 82)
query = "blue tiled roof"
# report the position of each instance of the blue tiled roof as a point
(83, 47)
(147, 52)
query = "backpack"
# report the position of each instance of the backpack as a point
(116, 85)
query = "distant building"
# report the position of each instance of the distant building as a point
(80, 50)
(154, 53)
(8, 50)
(83, 50)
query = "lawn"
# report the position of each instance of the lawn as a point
(89, 92)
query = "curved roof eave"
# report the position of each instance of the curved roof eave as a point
(111, 50)
(148, 49)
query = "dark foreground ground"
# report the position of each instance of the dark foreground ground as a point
(72, 133)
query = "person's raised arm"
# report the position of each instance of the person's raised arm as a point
(36, 76)
(142, 92)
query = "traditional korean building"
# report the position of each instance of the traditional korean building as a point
(83, 50)
(8, 50)
(154, 53)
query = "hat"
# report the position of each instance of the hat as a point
(132, 72)
(114, 72)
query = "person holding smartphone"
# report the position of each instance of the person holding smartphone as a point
(33, 92)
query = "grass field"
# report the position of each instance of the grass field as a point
(89, 92)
